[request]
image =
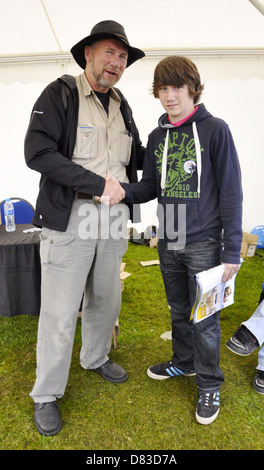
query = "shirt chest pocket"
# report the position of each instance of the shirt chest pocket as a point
(86, 142)
(120, 145)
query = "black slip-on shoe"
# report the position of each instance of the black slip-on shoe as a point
(112, 372)
(47, 418)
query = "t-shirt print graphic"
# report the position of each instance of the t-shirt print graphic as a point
(181, 178)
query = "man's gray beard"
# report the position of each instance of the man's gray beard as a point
(103, 83)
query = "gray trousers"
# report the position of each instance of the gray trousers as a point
(84, 260)
(255, 324)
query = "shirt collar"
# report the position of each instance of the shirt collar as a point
(87, 89)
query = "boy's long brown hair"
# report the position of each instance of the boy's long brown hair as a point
(178, 71)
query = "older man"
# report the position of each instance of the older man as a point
(81, 129)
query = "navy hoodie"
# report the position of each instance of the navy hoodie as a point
(194, 172)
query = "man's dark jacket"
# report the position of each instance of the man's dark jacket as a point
(49, 145)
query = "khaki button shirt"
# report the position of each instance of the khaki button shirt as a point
(102, 142)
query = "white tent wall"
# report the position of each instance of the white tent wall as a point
(223, 37)
(234, 91)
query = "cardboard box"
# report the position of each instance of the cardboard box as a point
(249, 244)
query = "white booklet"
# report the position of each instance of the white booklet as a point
(212, 294)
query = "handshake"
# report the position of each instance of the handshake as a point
(113, 192)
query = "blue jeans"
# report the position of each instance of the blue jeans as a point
(195, 347)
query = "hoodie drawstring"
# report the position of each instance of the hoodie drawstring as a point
(198, 159)
(198, 156)
(164, 162)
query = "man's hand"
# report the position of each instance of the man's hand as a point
(113, 192)
(230, 270)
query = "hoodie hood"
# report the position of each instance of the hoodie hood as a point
(199, 115)
(164, 123)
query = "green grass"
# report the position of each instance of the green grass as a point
(140, 413)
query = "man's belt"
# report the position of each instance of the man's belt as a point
(83, 196)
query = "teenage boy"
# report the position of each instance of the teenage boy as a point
(192, 167)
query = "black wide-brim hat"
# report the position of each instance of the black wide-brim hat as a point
(103, 30)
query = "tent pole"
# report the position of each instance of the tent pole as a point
(259, 5)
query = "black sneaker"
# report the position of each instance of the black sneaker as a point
(243, 342)
(208, 407)
(258, 382)
(167, 370)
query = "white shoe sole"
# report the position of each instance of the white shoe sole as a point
(157, 377)
(205, 421)
(164, 377)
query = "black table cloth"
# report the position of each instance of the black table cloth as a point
(20, 272)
